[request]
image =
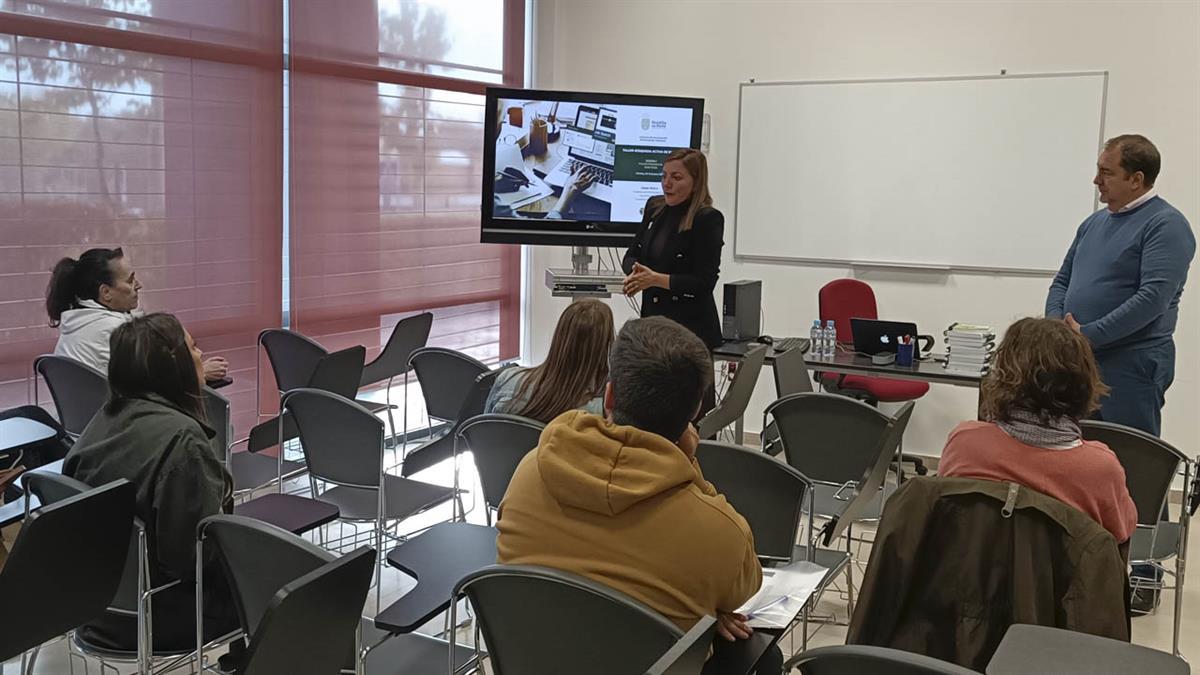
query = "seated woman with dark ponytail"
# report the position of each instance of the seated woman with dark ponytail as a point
(88, 298)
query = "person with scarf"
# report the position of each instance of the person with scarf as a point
(1043, 380)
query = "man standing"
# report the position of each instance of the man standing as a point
(1121, 282)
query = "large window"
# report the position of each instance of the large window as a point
(158, 125)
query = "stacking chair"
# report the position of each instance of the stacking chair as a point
(833, 440)
(791, 377)
(841, 300)
(1151, 465)
(47, 589)
(447, 378)
(410, 334)
(77, 389)
(869, 660)
(298, 361)
(344, 447)
(540, 621)
(770, 495)
(311, 622)
(688, 655)
(135, 592)
(260, 559)
(497, 443)
(733, 405)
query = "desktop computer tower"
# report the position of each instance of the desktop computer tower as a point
(741, 315)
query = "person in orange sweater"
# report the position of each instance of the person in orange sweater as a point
(1044, 380)
(621, 500)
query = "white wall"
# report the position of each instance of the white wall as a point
(706, 47)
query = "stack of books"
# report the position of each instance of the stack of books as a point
(969, 348)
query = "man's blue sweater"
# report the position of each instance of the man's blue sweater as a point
(1124, 274)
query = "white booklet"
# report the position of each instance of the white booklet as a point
(782, 595)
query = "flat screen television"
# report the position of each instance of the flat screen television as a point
(604, 150)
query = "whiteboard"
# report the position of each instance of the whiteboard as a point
(985, 173)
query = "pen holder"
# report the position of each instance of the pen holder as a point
(904, 354)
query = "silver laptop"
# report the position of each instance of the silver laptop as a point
(591, 144)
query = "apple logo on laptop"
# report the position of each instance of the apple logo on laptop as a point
(884, 339)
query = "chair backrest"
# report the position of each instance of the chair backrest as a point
(869, 660)
(258, 559)
(845, 299)
(217, 408)
(540, 621)
(766, 492)
(446, 377)
(343, 443)
(1150, 465)
(791, 374)
(47, 584)
(737, 398)
(293, 357)
(498, 443)
(868, 487)
(77, 389)
(688, 655)
(828, 437)
(410, 334)
(339, 372)
(311, 623)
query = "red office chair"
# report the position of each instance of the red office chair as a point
(839, 301)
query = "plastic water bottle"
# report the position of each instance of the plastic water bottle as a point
(816, 338)
(830, 340)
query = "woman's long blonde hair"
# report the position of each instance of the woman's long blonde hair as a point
(576, 369)
(695, 163)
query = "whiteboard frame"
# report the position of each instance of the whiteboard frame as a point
(902, 265)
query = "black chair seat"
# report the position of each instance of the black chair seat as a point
(408, 654)
(402, 498)
(833, 561)
(289, 512)
(251, 471)
(1166, 543)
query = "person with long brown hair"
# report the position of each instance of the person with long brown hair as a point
(572, 376)
(676, 259)
(153, 432)
(1043, 380)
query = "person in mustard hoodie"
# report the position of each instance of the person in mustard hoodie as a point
(616, 500)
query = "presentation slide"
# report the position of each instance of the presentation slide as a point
(606, 158)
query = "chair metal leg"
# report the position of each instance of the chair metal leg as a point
(200, 603)
(849, 572)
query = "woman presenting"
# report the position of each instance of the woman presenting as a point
(676, 258)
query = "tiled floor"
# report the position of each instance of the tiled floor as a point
(1153, 631)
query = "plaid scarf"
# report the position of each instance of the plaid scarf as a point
(1060, 433)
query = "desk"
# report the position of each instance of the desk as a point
(1039, 649)
(292, 513)
(437, 558)
(848, 363)
(18, 431)
(741, 657)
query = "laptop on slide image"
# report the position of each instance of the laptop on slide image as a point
(591, 144)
